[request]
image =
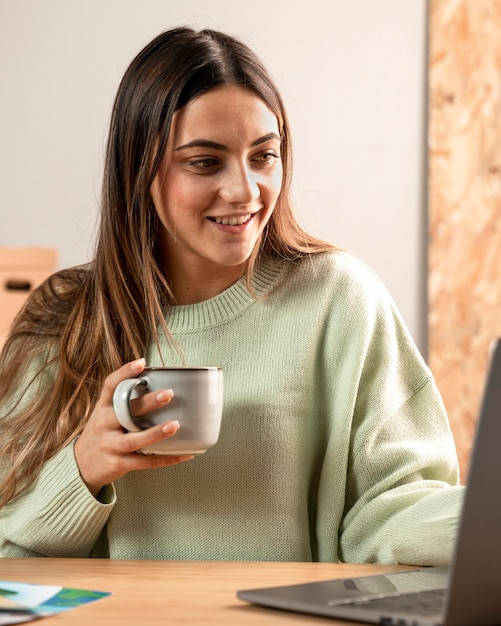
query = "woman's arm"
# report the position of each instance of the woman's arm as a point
(56, 516)
(403, 500)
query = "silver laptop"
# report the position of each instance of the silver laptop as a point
(467, 593)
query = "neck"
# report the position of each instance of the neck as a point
(190, 287)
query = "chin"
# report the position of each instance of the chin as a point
(234, 260)
(233, 264)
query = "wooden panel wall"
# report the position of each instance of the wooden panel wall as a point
(464, 203)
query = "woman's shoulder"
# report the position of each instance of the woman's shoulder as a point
(54, 298)
(69, 278)
(337, 269)
(60, 287)
(338, 281)
(44, 316)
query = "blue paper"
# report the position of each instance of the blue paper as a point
(25, 602)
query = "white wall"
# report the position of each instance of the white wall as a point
(352, 74)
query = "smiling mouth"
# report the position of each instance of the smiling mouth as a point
(232, 221)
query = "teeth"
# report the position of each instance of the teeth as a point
(232, 221)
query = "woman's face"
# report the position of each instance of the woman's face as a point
(218, 182)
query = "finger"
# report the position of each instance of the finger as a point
(154, 461)
(133, 441)
(150, 401)
(129, 370)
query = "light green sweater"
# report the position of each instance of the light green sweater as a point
(334, 442)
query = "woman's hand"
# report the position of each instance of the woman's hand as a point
(104, 452)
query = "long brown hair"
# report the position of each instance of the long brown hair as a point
(85, 322)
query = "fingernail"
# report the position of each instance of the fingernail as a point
(170, 427)
(138, 365)
(165, 394)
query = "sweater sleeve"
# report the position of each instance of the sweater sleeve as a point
(402, 494)
(403, 501)
(56, 516)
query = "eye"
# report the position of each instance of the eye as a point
(266, 158)
(203, 163)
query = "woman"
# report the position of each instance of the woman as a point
(334, 443)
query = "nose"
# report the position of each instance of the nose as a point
(240, 185)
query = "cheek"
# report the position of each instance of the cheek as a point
(275, 185)
(179, 195)
(188, 193)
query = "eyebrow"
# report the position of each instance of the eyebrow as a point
(214, 145)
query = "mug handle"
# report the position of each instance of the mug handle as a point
(121, 401)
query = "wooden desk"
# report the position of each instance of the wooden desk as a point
(168, 592)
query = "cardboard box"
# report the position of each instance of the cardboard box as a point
(21, 270)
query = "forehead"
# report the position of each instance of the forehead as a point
(224, 111)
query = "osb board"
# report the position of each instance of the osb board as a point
(464, 203)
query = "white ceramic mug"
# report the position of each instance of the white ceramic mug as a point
(197, 405)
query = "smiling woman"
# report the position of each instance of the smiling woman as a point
(216, 189)
(334, 444)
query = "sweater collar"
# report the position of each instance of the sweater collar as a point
(230, 303)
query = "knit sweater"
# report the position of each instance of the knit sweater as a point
(334, 443)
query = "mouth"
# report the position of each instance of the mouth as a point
(233, 220)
